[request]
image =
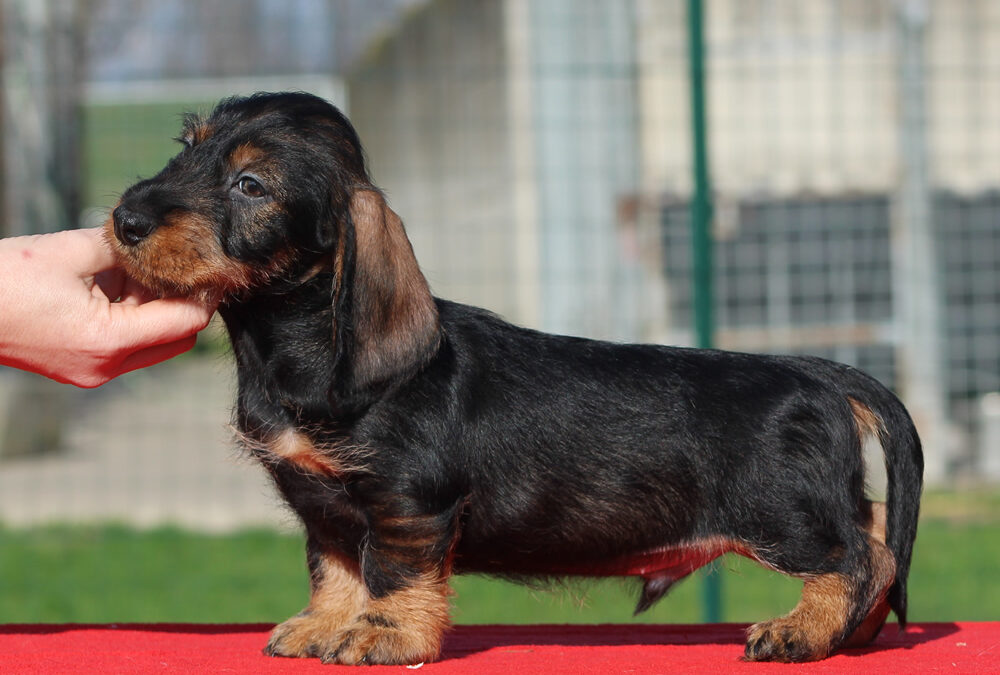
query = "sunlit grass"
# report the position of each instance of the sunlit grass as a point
(117, 574)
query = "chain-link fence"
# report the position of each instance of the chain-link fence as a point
(539, 153)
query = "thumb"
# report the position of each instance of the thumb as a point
(87, 251)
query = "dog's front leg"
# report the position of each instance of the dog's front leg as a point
(388, 606)
(405, 564)
(337, 595)
(404, 627)
(344, 624)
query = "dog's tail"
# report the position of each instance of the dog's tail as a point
(878, 412)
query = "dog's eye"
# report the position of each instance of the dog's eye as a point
(250, 186)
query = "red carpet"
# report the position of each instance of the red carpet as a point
(485, 650)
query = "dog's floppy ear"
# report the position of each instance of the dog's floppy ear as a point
(386, 321)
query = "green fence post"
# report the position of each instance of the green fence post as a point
(701, 219)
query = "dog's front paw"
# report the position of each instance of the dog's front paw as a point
(306, 635)
(783, 640)
(375, 639)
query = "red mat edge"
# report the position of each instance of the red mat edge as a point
(965, 647)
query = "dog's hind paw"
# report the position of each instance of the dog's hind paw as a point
(783, 640)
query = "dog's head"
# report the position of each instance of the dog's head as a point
(267, 193)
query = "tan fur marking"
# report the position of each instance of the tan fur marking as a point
(183, 257)
(823, 608)
(338, 596)
(871, 430)
(298, 449)
(342, 624)
(868, 422)
(884, 566)
(294, 446)
(188, 256)
(245, 155)
(199, 133)
(877, 527)
(815, 627)
(403, 628)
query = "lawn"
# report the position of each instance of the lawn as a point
(122, 143)
(117, 574)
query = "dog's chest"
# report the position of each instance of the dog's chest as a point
(294, 448)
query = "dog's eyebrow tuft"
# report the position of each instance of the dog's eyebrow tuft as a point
(244, 155)
(194, 130)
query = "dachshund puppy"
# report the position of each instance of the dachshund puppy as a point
(417, 437)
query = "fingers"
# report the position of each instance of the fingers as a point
(155, 354)
(156, 331)
(142, 358)
(161, 322)
(116, 286)
(61, 318)
(111, 283)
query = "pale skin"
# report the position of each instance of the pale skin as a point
(69, 313)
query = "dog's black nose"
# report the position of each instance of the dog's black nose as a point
(131, 227)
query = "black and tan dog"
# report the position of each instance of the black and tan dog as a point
(417, 437)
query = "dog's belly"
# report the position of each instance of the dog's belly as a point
(673, 562)
(668, 562)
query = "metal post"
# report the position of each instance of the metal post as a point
(701, 219)
(701, 204)
(916, 285)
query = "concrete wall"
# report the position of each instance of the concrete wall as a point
(804, 95)
(504, 134)
(430, 104)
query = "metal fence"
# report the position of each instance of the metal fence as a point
(539, 153)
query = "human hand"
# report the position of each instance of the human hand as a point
(69, 313)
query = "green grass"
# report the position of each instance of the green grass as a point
(117, 574)
(113, 573)
(122, 143)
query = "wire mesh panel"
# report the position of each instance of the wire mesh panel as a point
(796, 276)
(539, 154)
(969, 245)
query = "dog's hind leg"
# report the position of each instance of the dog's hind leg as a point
(834, 607)
(876, 618)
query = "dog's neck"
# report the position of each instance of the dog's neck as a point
(301, 361)
(284, 351)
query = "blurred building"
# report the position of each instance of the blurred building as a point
(59, 55)
(505, 133)
(539, 154)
